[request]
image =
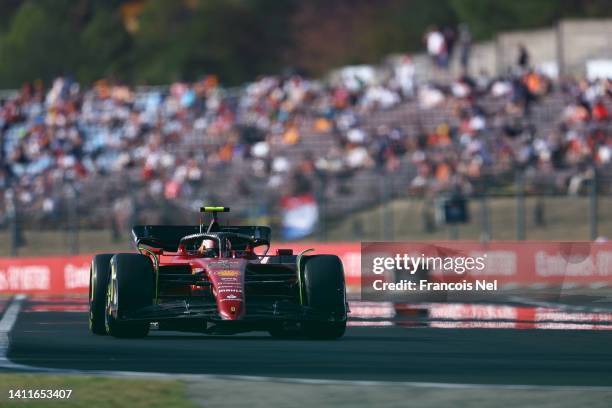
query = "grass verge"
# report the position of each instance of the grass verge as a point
(94, 392)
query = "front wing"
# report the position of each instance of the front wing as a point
(277, 311)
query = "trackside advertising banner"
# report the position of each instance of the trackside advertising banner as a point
(53, 275)
(525, 264)
(58, 275)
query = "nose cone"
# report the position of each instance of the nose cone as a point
(231, 309)
(227, 277)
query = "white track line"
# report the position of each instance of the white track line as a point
(6, 325)
(10, 317)
(7, 322)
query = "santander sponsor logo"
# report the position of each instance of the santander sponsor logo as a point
(28, 277)
(76, 276)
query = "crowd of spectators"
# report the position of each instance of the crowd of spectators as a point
(557, 133)
(172, 143)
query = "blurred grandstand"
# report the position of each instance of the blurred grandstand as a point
(109, 156)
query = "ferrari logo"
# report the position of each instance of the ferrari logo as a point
(233, 309)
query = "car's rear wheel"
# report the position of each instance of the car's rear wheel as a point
(130, 288)
(324, 290)
(98, 282)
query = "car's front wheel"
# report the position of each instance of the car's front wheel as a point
(130, 288)
(325, 291)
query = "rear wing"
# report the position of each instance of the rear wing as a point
(168, 237)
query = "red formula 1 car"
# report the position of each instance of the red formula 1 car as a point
(217, 280)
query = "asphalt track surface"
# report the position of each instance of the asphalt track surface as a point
(60, 339)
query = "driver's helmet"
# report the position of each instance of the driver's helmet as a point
(208, 248)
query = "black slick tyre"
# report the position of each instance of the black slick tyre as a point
(130, 288)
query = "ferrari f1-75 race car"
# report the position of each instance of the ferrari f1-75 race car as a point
(218, 280)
